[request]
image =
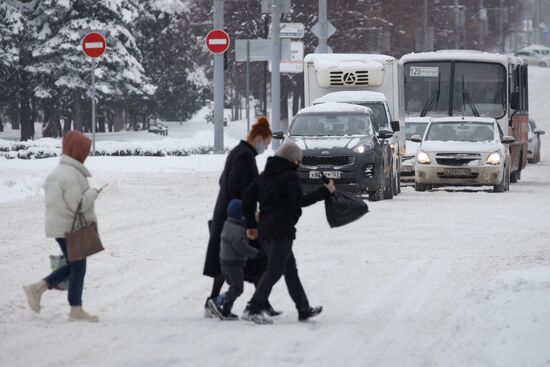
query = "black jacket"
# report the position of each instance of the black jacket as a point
(239, 172)
(279, 192)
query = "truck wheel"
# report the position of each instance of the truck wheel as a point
(513, 177)
(420, 187)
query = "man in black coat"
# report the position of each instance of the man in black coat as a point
(279, 193)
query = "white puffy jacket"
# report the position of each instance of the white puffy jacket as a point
(65, 187)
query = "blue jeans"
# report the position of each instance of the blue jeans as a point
(74, 271)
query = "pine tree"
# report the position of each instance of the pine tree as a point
(64, 70)
(174, 57)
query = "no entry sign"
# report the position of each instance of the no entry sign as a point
(217, 41)
(94, 44)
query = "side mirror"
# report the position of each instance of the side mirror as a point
(508, 140)
(416, 139)
(514, 100)
(539, 131)
(279, 135)
(395, 126)
(385, 134)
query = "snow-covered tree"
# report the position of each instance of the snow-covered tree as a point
(174, 56)
(62, 68)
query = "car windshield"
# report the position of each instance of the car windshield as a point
(414, 128)
(461, 131)
(379, 111)
(331, 124)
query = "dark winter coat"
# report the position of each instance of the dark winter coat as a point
(239, 172)
(279, 192)
(234, 246)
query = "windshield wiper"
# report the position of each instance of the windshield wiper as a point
(433, 100)
(467, 98)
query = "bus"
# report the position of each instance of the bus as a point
(470, 83)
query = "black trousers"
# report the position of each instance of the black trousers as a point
(280, 261)
(234, 276)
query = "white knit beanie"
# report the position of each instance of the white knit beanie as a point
(289, 151)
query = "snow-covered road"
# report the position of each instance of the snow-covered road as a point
(429, 279)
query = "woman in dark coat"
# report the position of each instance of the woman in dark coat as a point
(239, 172)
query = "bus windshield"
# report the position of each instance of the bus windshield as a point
(450, 88)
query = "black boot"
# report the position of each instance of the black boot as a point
(309, 312)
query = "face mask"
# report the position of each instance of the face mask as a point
(260, 148)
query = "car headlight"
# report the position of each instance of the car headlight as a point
(494, 158)
(423, 157)
(361, 148)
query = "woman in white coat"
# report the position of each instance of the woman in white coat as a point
(65, 188)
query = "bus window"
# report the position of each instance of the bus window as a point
(481, 86)
(425, 81)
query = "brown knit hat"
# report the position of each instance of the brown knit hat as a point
(76, 145)
(260, 128)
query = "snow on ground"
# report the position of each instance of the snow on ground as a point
(442, 278)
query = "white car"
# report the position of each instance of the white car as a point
(413, 126)
(534, 142)
(463, 151)
(532, 58)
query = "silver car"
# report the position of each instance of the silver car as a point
(463, 151)
(534, 142)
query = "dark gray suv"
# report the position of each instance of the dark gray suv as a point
(344, 142)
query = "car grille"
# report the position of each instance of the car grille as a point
(470, 176)
(339, 161)
(456, 159)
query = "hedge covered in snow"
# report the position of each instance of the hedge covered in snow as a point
(48, 148)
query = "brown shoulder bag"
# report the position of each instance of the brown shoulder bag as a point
(82, 242)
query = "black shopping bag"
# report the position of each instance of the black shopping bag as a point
(343, 208)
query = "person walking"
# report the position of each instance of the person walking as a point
(239, 172)
(234, 251)
(65, 189)
(279, 193)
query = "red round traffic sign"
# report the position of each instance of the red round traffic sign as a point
(217, 41)
(94, 44)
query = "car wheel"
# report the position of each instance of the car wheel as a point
(389, 185)
(513, 177)
(542, 63)
(501, 187)
(379, 194)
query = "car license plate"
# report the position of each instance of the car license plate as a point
(457, 172)
(329, 174)
(406, 168)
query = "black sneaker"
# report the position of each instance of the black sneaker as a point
(230, 317)
(208, 310)
(271, 312)
(309, 313)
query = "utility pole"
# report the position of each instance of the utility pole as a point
(323, 22)
(502, 10)
(276, 68)
(481, 25)
(537, 22)
(425, 25)
(457, 25)
(218, 83)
